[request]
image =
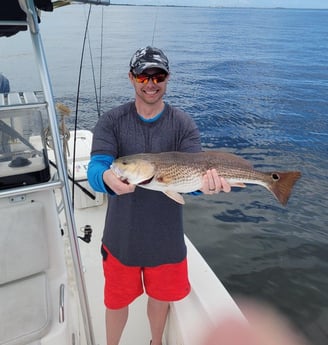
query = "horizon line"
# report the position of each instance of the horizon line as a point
(220, 6)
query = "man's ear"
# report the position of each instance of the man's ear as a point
(130, 76)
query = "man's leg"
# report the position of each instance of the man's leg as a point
(115, 322)
(168, 282)
(123, 284)
(157, 313)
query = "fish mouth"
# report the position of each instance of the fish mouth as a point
(118, 173)
(116, 170)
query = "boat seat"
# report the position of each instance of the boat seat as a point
(24, 292)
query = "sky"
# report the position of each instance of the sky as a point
(233, 3)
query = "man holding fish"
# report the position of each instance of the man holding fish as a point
(143, 242)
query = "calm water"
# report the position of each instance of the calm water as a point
(256, 82)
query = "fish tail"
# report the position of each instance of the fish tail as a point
(282, 184)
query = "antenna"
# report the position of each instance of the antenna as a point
(154, 29)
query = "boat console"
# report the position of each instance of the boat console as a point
(23, 154)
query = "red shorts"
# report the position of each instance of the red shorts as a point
(123, 284)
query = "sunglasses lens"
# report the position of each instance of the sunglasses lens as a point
(156, 78)
(141, 78)
(159, 78)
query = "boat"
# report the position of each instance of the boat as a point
(51, 281)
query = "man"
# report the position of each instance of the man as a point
(143, 243)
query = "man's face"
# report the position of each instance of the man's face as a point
(150, 85)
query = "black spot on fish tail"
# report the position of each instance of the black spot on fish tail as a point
(275, 176)
(282, 184)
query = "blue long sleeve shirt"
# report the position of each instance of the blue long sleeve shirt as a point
(96, 168)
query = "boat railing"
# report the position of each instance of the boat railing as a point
(30, 189)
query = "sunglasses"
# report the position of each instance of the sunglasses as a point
(156, 78)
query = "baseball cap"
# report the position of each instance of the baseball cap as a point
(148, 57)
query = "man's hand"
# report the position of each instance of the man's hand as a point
(116, 185)
(213, 184)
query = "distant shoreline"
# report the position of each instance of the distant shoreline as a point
(224, 7)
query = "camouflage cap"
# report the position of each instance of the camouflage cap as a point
(148, 57)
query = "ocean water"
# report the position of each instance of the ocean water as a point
(256, 83)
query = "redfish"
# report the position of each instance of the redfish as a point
(181, 172)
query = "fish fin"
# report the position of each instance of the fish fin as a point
(175, 196)
(282, 184)
(238, 184)
(229, 158)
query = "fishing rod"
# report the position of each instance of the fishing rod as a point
(84, 190)
(98, 99)
(155, 24)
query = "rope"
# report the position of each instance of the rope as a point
(63, 131)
